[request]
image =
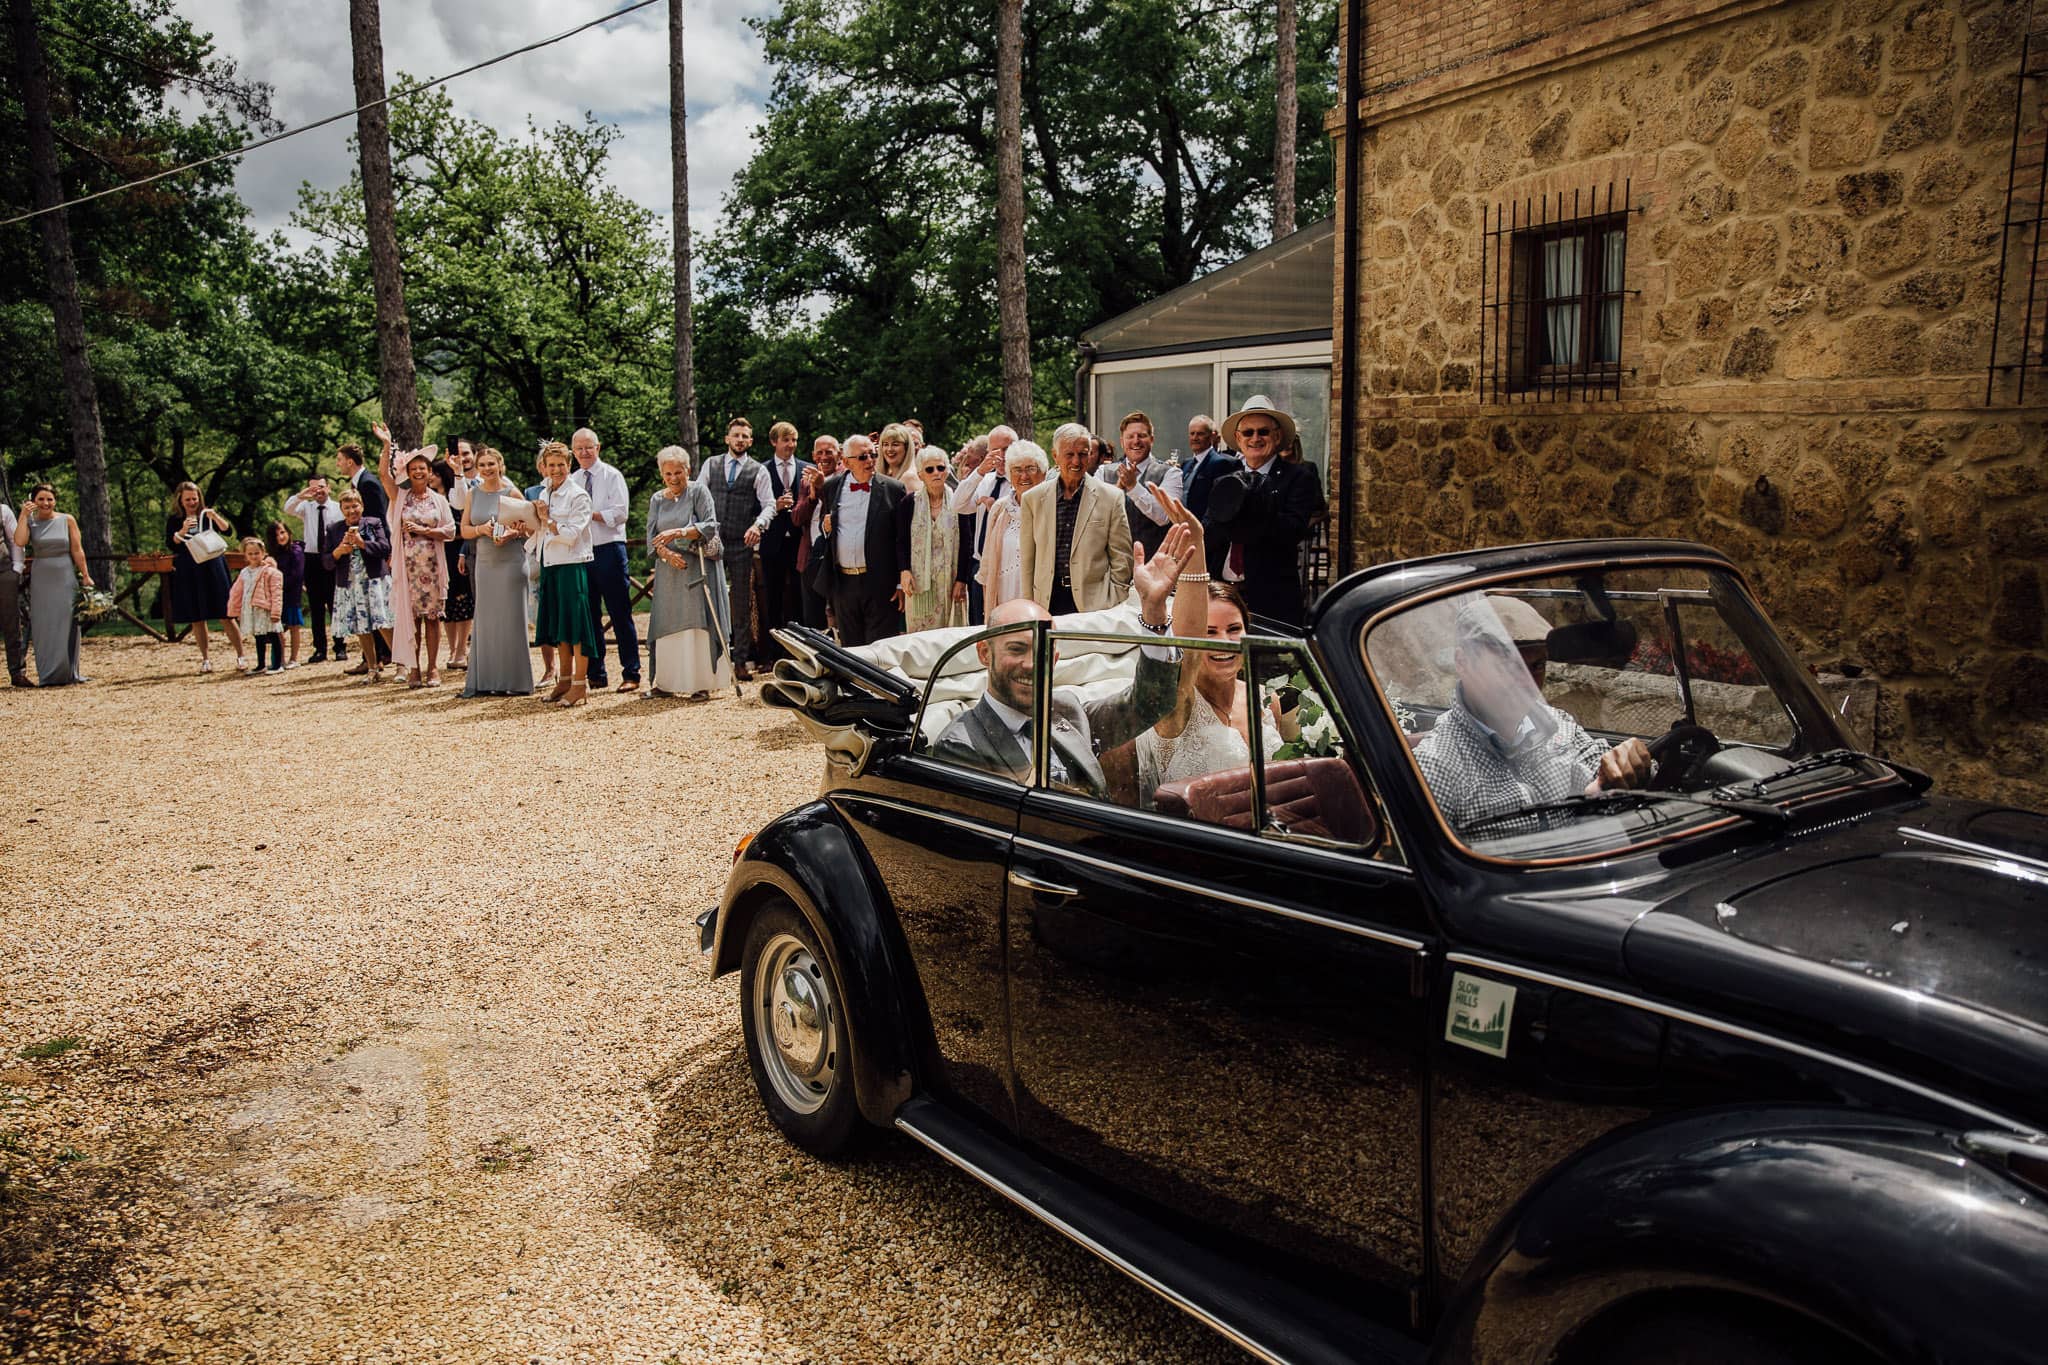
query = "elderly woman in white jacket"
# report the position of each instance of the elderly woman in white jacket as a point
(1002, 557)
(563, 618)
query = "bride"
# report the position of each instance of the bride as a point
(1205, 732)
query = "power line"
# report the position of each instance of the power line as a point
(406, 93)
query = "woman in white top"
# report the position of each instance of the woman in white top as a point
(1206, 731)
(563, 618)
(1002, 554)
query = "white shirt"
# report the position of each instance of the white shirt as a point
(458, 496)
(609, 503)
(569, 542)
(7, 525)
(764, 493)
(850, 526)
(970, 491)
(1141, 496)
(314, 517)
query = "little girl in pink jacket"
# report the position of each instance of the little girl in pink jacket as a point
(256, 602)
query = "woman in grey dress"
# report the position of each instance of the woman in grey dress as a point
(499, 664)
(688, 641)
(53, 581)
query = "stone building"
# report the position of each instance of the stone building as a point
(1728, 272)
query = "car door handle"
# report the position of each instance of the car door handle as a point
(1024, 881)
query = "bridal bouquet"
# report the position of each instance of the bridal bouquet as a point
(93, 606)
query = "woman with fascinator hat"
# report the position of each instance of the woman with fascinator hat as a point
(421, 525)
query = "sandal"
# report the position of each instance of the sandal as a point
(577, 692)
(374, 675)
(700, 695)
(433, 678)
(546, 680)
(562, 686)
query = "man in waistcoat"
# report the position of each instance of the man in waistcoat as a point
(746, 504)
(781, 593)
(1135, 473)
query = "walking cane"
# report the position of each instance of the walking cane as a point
(711, 609)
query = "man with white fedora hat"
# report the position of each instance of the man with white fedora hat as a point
(1260, 514)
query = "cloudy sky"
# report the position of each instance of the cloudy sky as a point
(619, 72)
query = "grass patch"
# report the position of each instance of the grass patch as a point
(502, 1153)
(51, 1047)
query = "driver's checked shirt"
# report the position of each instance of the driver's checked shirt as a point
(1474, 773)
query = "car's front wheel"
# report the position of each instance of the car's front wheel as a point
(798, 1043)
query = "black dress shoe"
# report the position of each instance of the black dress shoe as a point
(19, 680)
(318, 656)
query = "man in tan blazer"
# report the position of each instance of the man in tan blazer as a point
(1075, 539)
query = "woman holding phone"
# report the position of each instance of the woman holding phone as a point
(499, 662)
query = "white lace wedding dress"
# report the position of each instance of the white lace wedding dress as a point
(1208, 744)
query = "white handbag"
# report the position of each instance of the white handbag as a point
(205, 543)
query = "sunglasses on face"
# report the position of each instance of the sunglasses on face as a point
(1257, 433)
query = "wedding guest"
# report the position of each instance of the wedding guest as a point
(1262, 512)
(56, 571)
(316, 511)
(199, 591)
(740, 490)
(360, 550)
(376, 503)
(1136, 473)
(895, 450)
(781, 538)
(610, 588)
(858, 540)
(458, 609)
(424, 525)
(687, 628)
(1076, 540)
(499, 664)
(565, 619)
(974, 498)
(284, 550)
(928, 549)
(1002, 559)
(11, 566)
(533, 494)
(805, 514)
(257, 603)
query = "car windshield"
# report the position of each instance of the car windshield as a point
(1575, 714)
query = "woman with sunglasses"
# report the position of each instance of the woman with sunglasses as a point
(928, 549)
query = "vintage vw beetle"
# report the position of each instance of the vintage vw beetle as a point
(1416, 1036)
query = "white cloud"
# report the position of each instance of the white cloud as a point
(618, 72)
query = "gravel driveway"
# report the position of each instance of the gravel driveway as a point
(350, 1023)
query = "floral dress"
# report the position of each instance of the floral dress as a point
(426, 561)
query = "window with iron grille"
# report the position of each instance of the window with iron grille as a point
(1553, 297)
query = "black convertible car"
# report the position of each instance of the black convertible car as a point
(1546, 979)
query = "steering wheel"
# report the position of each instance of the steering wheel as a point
(1678, 752)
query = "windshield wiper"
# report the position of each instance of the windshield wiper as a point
(1763, 812)
(1836, 758)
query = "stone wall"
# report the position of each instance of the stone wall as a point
(1813, 274)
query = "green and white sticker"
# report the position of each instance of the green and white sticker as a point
(1481, 1011)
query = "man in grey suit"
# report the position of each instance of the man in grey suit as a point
(1135, 473)
(996, 733)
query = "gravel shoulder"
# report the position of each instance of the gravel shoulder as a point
(369, 1024)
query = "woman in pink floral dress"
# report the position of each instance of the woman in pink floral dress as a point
(421, 526)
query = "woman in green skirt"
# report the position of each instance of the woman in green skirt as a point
(563, 617)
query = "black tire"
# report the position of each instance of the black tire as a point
(799, 1047)
(1696, 1334)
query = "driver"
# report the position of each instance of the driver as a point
(995, 734)
(1500, 746)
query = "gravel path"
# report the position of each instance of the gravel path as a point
(301, 1063)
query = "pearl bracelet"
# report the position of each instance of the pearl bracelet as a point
(1193, 578)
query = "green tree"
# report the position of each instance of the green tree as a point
(540, 299)
(861, 235)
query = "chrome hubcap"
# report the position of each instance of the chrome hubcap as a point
(797, 1023)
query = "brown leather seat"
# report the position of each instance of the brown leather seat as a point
(1313, 796)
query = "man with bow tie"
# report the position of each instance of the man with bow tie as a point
(781, 596)
(859, 568)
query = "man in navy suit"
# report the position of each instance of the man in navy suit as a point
(1261, 513)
